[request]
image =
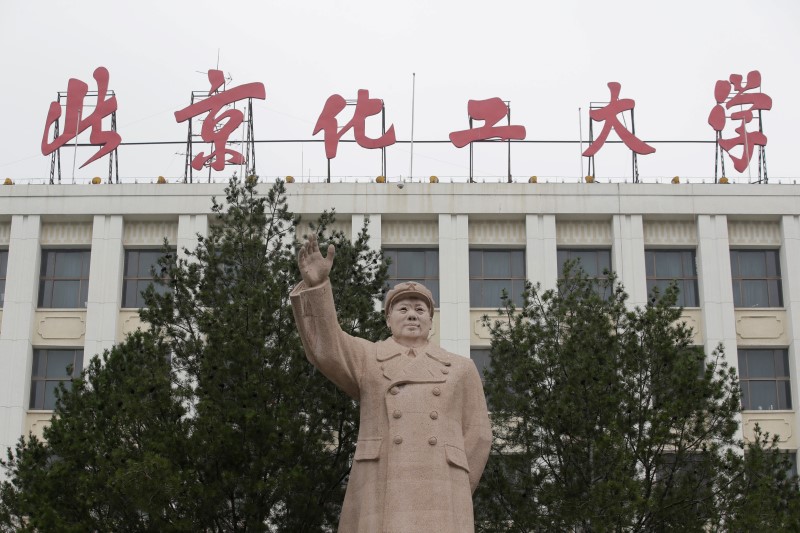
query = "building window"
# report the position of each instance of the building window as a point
(3, 272)
(482, 359)
(756, 278)
(764, 379)
(138, 265)
(593, 262)
(419, 265)
(665, 266)
(51, 367)
(491, 271)
(64, 281)
(792, 456)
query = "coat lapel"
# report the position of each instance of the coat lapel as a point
(426, 367)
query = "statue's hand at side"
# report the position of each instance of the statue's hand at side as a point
(313, 267)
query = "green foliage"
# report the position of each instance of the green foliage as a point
(213, 420)
(763, 492)
(607, 417)
(114, 458)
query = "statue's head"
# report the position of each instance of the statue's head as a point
(408, 289)
(409, 313)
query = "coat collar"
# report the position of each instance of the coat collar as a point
(429, 366)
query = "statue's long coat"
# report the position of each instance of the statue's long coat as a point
(424, 437)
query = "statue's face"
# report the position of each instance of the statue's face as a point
(410, 321)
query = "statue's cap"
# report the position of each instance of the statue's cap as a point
(408, 289)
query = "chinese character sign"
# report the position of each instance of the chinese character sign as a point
(738, 101)
(75, 122)
(608, 115)
(218, 127)
(365, 107)
(748, 102)
(491, 111)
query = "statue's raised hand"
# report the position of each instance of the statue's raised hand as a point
(313, 267)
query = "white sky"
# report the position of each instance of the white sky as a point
(548, 59)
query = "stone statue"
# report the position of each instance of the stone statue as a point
(424, 437)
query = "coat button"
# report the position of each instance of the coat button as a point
(437, 391)
(445, 371)
(398, 440)
(432, 441)
(394, 390)
(434, 415)
(397, 413)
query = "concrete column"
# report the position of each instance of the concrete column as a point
(22, 286)
(627, 257)
(716, 290)
(541, 258)
(714, 280)
(105, 285)
(790, 262)
(189, 226)
(375, 241)
(454, 318)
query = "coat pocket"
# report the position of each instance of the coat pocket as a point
(368, 449)
(456, 457)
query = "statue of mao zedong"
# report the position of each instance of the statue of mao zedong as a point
(424, 435)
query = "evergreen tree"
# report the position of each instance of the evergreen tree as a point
(115, 457)
(607, 418)
(763, 490)
(218, 420)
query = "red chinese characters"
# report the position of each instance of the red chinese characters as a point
(75, 122)
(217, 127)
(491, 111)
(749, 102)
(608, 115)
(365, 107)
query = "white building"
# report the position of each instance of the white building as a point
(72, 256)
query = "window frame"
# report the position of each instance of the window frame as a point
(487, 301)
(138, 279)
(432, 283)
(780, 381)
(737, 281)
(681, 280)
(45, 278)
(38, 398)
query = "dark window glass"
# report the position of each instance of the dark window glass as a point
(481, 358)
(595, 262)
(419, 265)
(51, 367)
(64, 279)
(491, 272)
(764, 379)
(3, 273)
(756, 278)
(664, 266)
(792, 456)
(694, 470)
(137, 276)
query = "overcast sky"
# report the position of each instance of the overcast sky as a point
(548, 59)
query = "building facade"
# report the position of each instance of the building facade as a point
(74, 257)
